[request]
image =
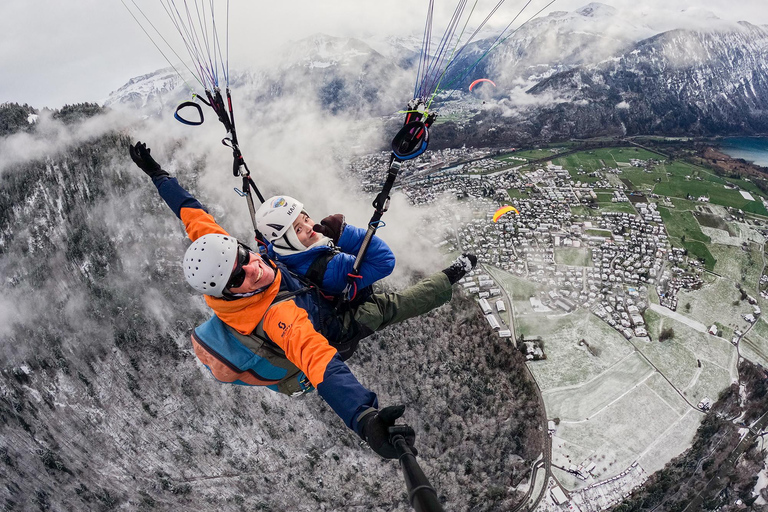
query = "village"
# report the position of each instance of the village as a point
(623, 254)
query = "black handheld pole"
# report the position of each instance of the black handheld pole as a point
(421, 494)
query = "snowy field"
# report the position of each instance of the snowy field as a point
(715, 302)
(737, 265)
(678, 359)
(618, 401)
(568, 363)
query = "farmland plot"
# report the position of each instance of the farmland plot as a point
(672, 398)
(737, 264)
(619, 433)
(718, 301)
(568, 363)
(587, 399)
(678, 360)
(754, 346)
(678, 438)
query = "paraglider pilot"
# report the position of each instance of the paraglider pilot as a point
(263, 331)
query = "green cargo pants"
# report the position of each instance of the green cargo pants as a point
(383, 309)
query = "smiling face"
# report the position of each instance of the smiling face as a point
(303, 227)
(258, 274)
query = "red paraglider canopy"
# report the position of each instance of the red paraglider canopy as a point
(480, 80)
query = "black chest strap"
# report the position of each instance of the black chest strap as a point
(316, 272)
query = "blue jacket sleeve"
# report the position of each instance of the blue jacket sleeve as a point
(175, 196)
(346, 396)
(378, 263)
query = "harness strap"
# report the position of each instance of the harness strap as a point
(260, 344)
(316, 272)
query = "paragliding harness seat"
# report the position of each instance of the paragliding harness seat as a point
(255, 360)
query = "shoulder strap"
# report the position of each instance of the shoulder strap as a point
(258, 341)
(316, 271)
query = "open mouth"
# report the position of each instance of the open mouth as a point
(261, 273)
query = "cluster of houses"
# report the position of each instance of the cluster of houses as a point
(371, 169)
(675, 279)
(485, 288)
(606, 493)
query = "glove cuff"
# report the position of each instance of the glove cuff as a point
(363, 419)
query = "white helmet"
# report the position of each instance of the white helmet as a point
(275, 218)
(208, 263)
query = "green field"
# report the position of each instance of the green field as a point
(530, 154)
(700, 250)
(581, 176)
(604, 197)
(573, 256)
(617, 207)
(516, 194)
(644, 180)
(682, 225)
(684, 231)
(717, 193)
(581, 211)
(592, 160)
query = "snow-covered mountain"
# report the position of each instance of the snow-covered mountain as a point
(606, 72)
(678, 82)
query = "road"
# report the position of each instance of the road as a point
(545, 463)
(680, 318)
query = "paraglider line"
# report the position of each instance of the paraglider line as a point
(453, 53)
(498, 43)
(158, 47)
(186, 38)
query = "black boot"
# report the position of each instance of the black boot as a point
(460, 267)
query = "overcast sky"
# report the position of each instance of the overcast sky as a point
(54, 52)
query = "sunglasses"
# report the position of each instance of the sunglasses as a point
(238, 274)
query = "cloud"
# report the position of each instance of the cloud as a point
(52, 136)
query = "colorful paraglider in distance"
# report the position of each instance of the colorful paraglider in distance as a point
(504, 210)
(481, 80)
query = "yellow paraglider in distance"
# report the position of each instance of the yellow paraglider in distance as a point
(501, 211)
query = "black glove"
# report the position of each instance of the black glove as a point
(376, 431)
(331, 226)
(142, 158)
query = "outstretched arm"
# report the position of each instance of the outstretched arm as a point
(288, 325)
(197, 220)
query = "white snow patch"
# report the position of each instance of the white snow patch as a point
(35, 393)
(32, 118)
(746, 195)
(622, 105)
(762, 483)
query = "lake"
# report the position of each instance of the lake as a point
(753, 149)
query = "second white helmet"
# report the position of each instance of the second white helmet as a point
(275, 218)
(208, 263)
